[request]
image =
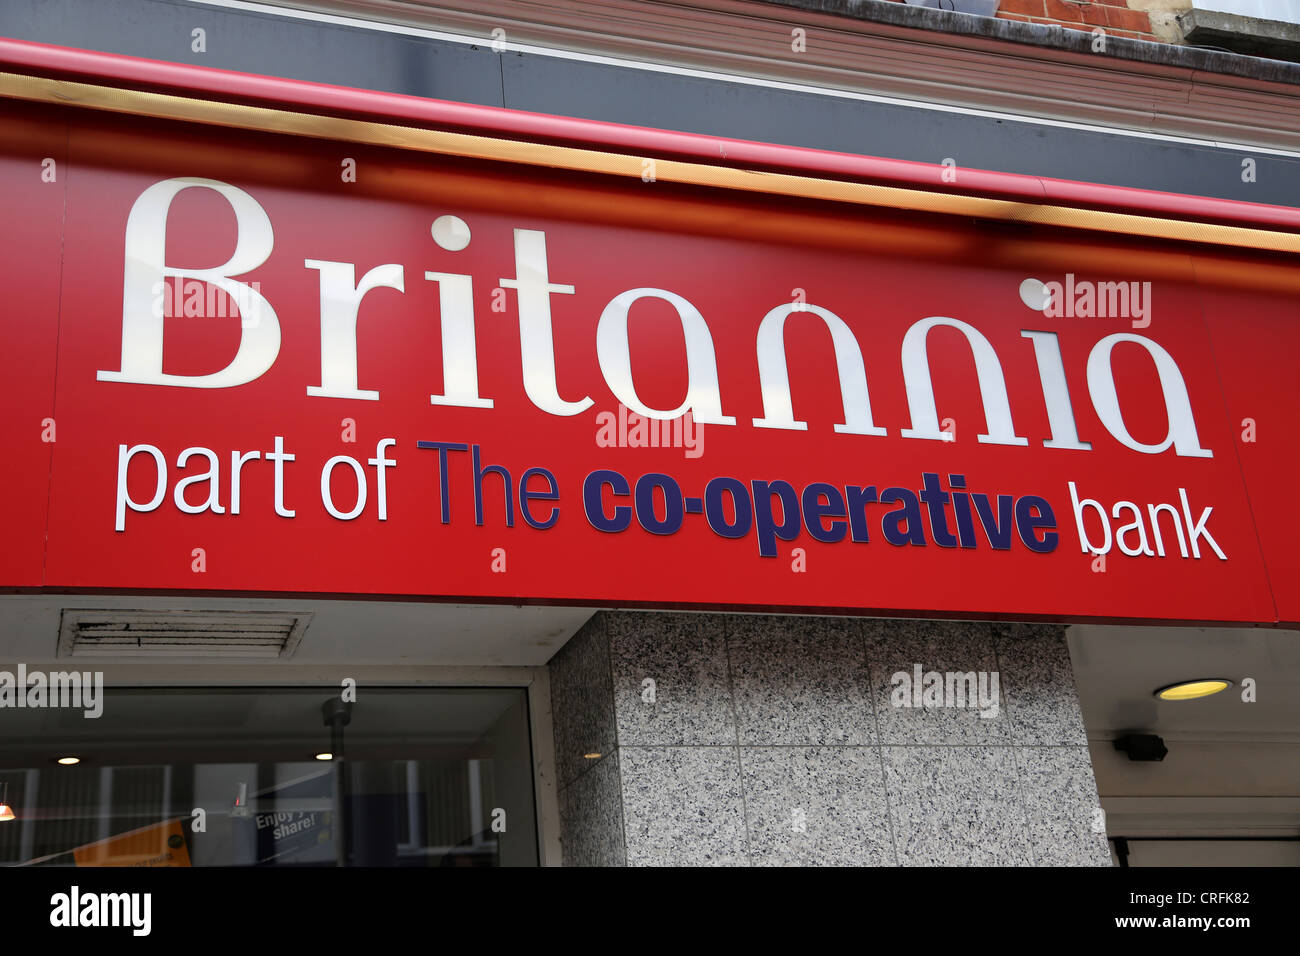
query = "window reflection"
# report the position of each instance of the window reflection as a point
(230, 777)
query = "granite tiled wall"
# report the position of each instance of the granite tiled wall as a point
(729, 739)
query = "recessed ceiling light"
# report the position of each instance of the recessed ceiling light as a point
(591, 756)
(1191, 689)
(69, 761)
(324, 756)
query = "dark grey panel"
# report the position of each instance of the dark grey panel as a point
(348, 56)
(669, 101)
(261, 43)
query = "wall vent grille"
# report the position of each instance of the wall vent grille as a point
(117, 633)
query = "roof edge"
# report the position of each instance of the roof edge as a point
(1051, 37)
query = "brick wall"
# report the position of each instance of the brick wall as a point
(1115, 17)
(1112, 16)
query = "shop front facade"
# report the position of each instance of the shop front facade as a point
(436, 447)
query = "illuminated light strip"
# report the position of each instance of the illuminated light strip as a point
(473, 146)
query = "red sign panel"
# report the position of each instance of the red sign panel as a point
(296, 366)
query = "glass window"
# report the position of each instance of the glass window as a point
(232, 777)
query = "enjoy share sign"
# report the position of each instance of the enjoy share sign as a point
(241, 370)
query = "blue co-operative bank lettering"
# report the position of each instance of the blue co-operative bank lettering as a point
(772, 510)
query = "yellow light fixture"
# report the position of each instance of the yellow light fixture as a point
(6, 811)
(1192, 689)
(324, 756)
(591, 756)
(69, 761)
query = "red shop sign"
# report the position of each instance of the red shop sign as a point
(238, 369)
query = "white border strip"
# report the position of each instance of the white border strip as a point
(381, 27)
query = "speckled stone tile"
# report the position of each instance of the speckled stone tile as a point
(582, 700)
(685, 656)
(1039, 683)
(944, 647)
(816, 806)
(956, 806)
(1066, 827)
(591, 817)
(682, 806)
(799, 680)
